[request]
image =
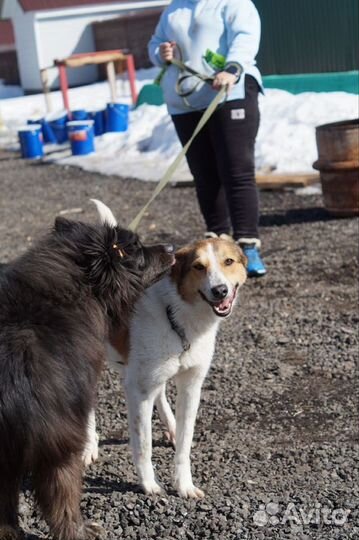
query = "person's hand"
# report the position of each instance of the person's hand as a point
(167, 50)
(224, 79)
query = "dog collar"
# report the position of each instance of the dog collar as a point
(177, 328)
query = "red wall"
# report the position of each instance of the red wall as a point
(6, 33)
(36, 5)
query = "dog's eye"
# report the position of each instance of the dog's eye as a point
(199, 266)
(228, 262)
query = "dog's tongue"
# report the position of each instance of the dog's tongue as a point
(226, 304)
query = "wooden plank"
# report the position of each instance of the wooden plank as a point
(94, 58)
(270, 181)
(278, 181)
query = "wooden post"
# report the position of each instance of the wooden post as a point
(44, 75)
(111, 75)
(64, 86)
(131, 71)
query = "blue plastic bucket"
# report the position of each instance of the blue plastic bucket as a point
(99, 118)
(117, 117)
(82, 137)
(58, 122)
(79, 114)
(31, 141)
(47, 132)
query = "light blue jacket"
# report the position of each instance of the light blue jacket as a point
(228, 27)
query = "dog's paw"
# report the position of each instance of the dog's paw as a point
(190, 492)
(90, 453)
(92, 531)
(153, 488)
(171, 437)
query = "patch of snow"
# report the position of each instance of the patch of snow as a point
(315, 189)
(285, 142)
(286, 139)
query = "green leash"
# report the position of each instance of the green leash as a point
(172, 168)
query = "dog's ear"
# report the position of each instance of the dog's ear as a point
(182, 263)
(106, 216)
(63, 225)
(242, 258)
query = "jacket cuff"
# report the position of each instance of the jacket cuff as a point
(234, 68)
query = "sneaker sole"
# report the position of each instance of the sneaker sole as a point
(256, 274)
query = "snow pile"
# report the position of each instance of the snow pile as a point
(286, 138)
(144, 151)
(285, 143)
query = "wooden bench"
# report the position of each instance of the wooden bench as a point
(84, 59)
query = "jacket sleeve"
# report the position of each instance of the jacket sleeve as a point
(243, 27)
(158, 37)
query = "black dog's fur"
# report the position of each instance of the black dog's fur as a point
(56, 302)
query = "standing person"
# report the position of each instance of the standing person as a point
(221, 157)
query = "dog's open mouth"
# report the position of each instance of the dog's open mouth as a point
(224, 307)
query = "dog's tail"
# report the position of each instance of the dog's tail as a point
(106, 215)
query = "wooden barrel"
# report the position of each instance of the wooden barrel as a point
(338, 163)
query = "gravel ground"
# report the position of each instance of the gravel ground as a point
(277, 433)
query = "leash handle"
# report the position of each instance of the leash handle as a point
(171, 169)
(183, 67)
(188, 73)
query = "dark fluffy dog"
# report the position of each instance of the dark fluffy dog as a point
(56, 304)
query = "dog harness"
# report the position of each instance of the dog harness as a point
(178, 329)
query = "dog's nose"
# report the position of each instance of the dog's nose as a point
(220, 291)
(169, 248)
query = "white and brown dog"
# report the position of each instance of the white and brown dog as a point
(172, 334)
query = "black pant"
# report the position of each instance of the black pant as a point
(221, 160)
